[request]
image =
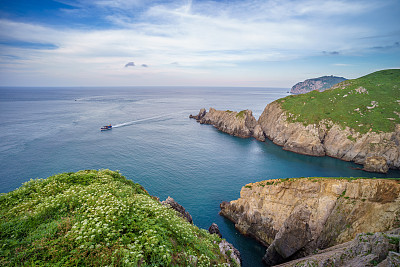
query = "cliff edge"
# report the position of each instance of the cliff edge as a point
(294, 217)
(356, 120)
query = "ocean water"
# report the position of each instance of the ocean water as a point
(52, 130)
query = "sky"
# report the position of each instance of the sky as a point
(260, 43)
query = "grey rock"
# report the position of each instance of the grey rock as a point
(214, 229)
(230, 252)
(199, 116)
(176, 206)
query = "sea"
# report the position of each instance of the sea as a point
(45, 131)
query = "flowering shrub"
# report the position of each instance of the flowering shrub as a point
(97, 218)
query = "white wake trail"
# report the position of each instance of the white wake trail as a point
(146, 119)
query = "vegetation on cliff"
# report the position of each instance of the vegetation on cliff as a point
(369, 103)
(94, 218)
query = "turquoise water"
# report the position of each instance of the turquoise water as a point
(51, 130)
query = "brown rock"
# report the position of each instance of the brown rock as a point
(376, 164)
(327, 138)
(334, 211)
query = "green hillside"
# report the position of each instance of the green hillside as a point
(97, 218)
(371, 102)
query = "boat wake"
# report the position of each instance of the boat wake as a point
(146, 119)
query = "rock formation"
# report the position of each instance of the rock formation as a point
(226, 249)
(330, 139)
(176, 206)
(241, 124)
(320, 84)
(294, 217)
(366, 249)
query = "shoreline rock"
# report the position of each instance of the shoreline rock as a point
(365, 249)
(294, 217)
(241, 124)
(328, 139)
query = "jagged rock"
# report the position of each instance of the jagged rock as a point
(241, 124)
(230, 252)
(376, 164)
(181, 210)
(334, 211)
(365, 249)
(327, 138)
(214, 229)
(258, 133)
(292, 236)
(199, 116)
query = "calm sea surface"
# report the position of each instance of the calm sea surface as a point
(51, 130)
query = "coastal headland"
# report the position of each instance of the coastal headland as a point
(355, 120)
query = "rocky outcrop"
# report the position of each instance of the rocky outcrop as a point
(294, 217)
(214, 229)
(366, 249)
(226, 249)
(199, 116)
(330, 139)
(176, 206)
(241, 124)
(376, 164)
(320, 84)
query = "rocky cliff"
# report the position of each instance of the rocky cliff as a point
(320, 84)
(241, 124)
(327, 138)
(294, 217)
(367, 249)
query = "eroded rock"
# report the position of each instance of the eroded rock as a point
(294, 217)
(376, 164)
(176, 206)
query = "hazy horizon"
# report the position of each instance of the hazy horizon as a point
(249, 43)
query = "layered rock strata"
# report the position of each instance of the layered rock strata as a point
(331, 140)
(241, 124)
(366, 249)
(293, 217)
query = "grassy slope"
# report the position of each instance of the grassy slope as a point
(96, 218)
(383, 87)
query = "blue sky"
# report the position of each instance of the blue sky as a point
(269, 43)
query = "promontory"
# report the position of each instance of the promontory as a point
(356, 120)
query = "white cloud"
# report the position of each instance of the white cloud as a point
(198, 35)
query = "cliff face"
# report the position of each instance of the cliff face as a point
(320, 84)
(296, 216)
(367, 249)
(241, 124)
(330, 139)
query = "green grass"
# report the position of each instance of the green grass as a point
(346, 107)
(97, 218)
(240, 115)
